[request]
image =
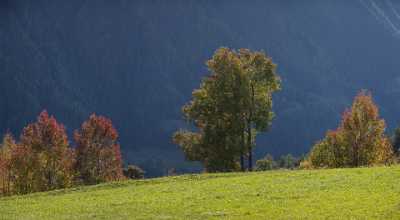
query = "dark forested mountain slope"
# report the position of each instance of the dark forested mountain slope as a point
(138, 61)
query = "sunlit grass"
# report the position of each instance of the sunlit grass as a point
(363, 193)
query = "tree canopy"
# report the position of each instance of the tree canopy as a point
(359, 140)
(231, 105)
(98, 153)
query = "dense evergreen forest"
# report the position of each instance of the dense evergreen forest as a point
(137, 62)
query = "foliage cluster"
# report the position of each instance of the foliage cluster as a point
(231, 105)
(43, 159)
(358, 141)
(133, 172)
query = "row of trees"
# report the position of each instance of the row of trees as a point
(359, 140)
(231, 106)
(234, 103)
(43, 159)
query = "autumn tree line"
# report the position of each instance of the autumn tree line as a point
(43, 159)
(234, 103)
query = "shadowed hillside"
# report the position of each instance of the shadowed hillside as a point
(138, 61)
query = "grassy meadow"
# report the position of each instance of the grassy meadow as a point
(360, 193)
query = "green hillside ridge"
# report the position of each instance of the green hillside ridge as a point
(360, 193)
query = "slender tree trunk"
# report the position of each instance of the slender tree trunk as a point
(243, 146)
(3, 185)
(9, 183)
(249, 137)
(356, 152)
(250, 159)
(249, 149)
(241, 161)
(356, 157)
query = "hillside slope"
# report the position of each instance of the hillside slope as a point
(362, 193)
(138, 61)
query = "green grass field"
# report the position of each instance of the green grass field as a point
(364, 193)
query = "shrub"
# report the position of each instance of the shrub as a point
(305, 165)
(133, 172)
(267, 163)
(287, 162)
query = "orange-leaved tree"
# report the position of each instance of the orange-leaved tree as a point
(360, 139)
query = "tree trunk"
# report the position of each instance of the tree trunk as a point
(356, 152)
(242, 151)
(241, 161)
(9, 183)
(249, 137)
(250, 159)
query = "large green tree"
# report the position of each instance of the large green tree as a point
(231, 105)
(260, 82)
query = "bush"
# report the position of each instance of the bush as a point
(133, 172)
(267, 163)
(322, 155)
(287, 162)
(305, 165)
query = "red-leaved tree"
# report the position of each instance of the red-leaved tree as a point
(52, 159)
(23, 163)
(98, 156)
(6, 176)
